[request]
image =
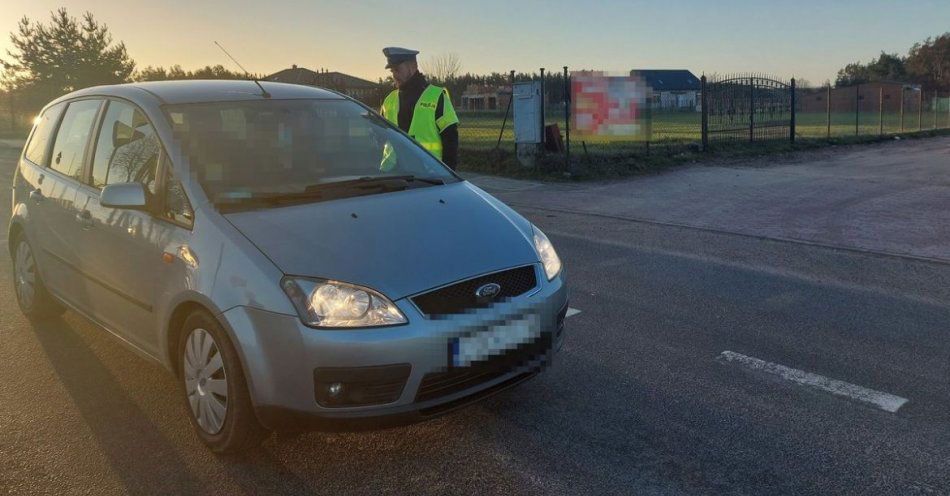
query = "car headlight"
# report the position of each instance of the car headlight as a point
(549, 258)
(323, 303)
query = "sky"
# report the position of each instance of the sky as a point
(805, 38)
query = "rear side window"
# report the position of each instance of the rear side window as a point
(128, 148)
(73, 136)
(39, 143)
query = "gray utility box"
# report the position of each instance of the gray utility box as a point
(526, 98)
(527, 106)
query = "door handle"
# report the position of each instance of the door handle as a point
(85, 218)
(36, 195)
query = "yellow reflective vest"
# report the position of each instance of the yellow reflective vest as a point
(424, 128)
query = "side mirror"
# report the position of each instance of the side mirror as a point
(123, 195)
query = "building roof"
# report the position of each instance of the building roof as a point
(331, 79)
(668, 79)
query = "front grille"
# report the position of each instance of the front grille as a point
(465, 400)
(460, 297)
(438, 384)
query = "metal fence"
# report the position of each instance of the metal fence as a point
(728, 111)
(870, 109)
(746, 108)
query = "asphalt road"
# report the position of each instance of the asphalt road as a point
(639, 401)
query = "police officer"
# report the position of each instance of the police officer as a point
(422, 110)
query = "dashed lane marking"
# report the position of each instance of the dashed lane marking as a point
(884, 401)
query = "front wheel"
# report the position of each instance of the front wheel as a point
(215, 389)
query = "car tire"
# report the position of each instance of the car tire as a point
(215, 390)
(32, 297)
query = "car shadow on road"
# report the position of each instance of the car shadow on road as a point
(145, 459)
(136, 449)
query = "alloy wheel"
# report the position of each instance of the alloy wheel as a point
(206, 382)
(25, 275)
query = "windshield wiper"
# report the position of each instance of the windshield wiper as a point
(323, 191)
(372, 181)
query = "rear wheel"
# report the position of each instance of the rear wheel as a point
(215, 389)
(31, 295)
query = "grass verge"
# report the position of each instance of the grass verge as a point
(604, 164)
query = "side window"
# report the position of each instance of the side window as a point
(39, 142)
(127, 150)
(69, 150)
(176, 205)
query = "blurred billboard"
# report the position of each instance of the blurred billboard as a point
(609, 106)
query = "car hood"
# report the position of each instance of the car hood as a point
(398, 243)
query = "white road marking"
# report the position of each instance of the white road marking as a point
(571, 312)
(884, 401)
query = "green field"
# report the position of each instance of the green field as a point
(480, 130)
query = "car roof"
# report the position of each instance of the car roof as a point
(201, 91)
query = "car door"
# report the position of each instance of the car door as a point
(58, 185)
(31, 174)
(123, 247)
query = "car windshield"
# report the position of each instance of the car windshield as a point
(273, 149)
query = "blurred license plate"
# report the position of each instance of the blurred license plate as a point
(495, 340)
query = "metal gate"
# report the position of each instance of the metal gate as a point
(748, 108)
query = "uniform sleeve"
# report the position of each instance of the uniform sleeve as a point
(447, 116)
(450, 146)
(449, 133)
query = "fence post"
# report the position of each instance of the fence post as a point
(857, 106)
(920, 109)
(567, 122)
(514, 143)
(880, 111)
(792, 134)
(543, 137)
(828, 110)
(507, 112)
(902, 108)
(703, 113)
(751, 109)
(934, 104)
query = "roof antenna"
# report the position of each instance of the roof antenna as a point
(264, 92)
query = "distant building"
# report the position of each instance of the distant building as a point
(480, 97)
(352, 86)
(866, 96)
(671, 88)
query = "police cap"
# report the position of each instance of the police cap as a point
(396, 55)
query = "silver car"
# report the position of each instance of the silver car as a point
(294, 259)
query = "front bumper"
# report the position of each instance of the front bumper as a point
(282, 360)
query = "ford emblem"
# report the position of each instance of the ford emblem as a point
(487, 292)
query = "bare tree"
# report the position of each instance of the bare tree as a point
(442, 67)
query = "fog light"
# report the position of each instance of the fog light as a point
(337, 387)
